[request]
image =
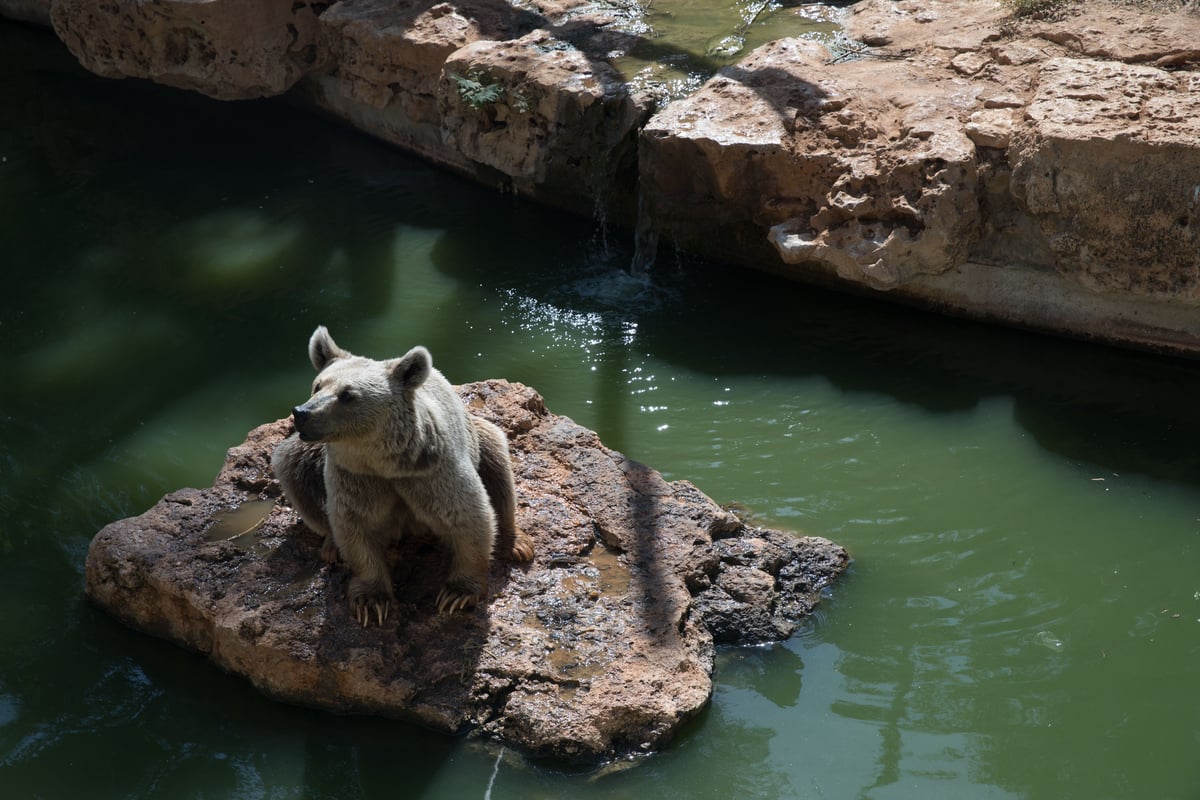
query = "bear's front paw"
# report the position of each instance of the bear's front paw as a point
(369, 602)
(459, 594)
(518, 548)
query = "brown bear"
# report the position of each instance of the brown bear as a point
(384, 447)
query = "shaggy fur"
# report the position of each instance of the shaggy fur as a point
(387, 446)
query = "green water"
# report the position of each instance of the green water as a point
(681, 43)
(1023, 615)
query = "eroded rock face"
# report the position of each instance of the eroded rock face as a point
(562, 121)
(521, 98)
(1032, 172)
(561, 125)
(1108, 166)
(602, 647)
(1041, 173)
(383, 66)
(227, 49)
(870, 180)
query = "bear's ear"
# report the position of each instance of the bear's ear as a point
(322, 349)
(411, 369)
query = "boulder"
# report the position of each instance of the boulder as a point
(225, 49)
(382, 65)
(556, 119)
(602, 647)
(557, 122)
(865, 173)
(1039, 173)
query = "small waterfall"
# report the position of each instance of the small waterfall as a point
(645, 240)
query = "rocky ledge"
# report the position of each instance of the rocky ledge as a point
(602, 647)
(1043, 173)
(1038, 171)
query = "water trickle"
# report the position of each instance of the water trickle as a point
(645, 240)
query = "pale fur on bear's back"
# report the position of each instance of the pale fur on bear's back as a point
(385, 445)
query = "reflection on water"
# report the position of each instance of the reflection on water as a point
(1021, 619)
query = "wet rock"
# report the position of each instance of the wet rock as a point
(602, 647)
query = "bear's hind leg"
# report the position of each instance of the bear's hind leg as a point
(495, 470)
(300, 469)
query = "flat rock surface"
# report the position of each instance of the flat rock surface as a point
(602, 647)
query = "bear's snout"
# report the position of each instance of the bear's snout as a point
(301, 418)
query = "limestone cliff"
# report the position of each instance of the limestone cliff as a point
(1042, 174)
(1037, 172)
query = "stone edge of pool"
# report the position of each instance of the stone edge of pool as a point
(1033, 172)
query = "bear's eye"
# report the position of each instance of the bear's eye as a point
(345, 396)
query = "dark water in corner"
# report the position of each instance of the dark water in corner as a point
(1023, 618)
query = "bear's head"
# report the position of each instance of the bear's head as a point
(355, 397)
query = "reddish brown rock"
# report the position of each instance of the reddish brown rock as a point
(226, 49)
(602, 647)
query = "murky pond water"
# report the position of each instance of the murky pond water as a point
(1022, 619)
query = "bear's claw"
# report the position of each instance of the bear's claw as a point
(522, 547)
(450, 601)
(363, 613)
(363, 607)
(515, 547)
